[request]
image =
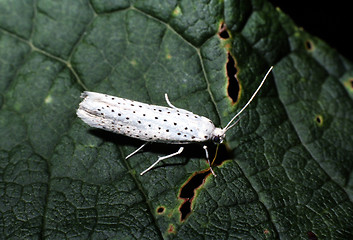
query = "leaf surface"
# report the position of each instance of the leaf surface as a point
(288, 166)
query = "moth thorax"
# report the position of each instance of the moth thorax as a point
(218, 135)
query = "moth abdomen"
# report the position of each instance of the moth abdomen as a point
(143, 121)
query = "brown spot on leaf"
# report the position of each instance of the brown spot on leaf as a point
(171, 228)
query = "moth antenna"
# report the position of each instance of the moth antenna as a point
(226, 129)
(252, 97)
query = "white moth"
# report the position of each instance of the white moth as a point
(152, 123)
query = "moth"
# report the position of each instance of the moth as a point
(153, 123)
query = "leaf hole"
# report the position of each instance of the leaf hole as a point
(187, 191)
(223, 31)
(309, 45)
(319, 120)
(233, 84)
(160, 210)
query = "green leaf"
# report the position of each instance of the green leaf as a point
(286, 170)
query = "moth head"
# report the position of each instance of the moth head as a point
(218, 135)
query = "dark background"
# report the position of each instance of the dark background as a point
(332, 21)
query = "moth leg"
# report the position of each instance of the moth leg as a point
(134, 152)
(162, 158)
(169, 103)
(208, 160)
